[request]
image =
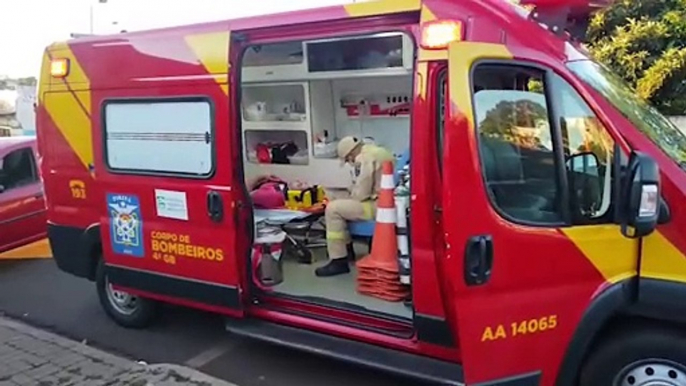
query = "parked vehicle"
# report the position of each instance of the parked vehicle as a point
(22, 203)
(546, 241)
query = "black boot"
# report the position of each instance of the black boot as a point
(351, 253)
(333, 268)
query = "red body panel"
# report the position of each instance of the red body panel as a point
(22, 209)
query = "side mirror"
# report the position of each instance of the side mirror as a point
(641, 197)
(585, 183)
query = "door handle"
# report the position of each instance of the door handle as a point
(215, 206)
(478, 260)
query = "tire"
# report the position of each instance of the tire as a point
(130, 311)
(649, 356)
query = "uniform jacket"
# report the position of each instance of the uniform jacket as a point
(367, 172)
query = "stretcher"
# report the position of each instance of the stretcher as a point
(300, 227)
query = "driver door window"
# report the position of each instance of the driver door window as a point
(515, 141)
(546, 158)
(17, 169)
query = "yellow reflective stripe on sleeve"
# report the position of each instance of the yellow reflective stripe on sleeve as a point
(368, 207)
(335, 235)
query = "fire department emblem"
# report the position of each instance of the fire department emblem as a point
(126, 225)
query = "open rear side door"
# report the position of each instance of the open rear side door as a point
(167, 196)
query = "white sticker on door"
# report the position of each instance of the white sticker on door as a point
(171, 204)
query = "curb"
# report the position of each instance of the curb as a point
(132, 372)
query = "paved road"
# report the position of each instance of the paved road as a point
(38, 293)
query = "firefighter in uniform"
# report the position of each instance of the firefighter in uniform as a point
(357, 203)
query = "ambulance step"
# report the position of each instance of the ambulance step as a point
(392, 361)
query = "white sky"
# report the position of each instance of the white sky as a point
(27, 26)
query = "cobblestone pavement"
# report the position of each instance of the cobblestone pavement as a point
(29, 356)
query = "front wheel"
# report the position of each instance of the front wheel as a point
(650, 357)
(125, 309)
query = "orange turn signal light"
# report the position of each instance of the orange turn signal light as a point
(59, 68)
(438, 34)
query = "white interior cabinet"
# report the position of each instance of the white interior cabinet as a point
(383, 54)
(302, 97)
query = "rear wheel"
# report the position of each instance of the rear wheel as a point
(650, 357)
(125, 309)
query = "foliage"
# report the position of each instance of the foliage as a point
(644, 41)
(512, 121)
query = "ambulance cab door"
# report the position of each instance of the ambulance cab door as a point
(168, 200)
(528, 171)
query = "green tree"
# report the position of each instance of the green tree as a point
(644, 41)
(502, 120)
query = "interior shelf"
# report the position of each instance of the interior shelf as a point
(276, 126)
(276, 103)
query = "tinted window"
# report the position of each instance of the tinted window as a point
(642, 115)
(273, 54)
(355, 54)
(145, 137)
(588, 150)
(18, 169)
(518, 159)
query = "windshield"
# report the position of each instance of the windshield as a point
(644, 117)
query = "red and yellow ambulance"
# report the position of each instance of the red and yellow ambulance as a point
(547, 245)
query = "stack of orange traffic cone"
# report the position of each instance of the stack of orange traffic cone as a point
(378, 273)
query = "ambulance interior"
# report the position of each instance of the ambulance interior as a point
(298, 99)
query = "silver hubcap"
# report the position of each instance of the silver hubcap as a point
(652, 372)
(121, 301)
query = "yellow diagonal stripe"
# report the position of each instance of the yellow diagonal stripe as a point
(44, 84)
(68, 102)
(661, 259)
(67, 114)
(212, 50)
(77, 78)
(612, 254)
(382, 7)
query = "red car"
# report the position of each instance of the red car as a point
(22, 203)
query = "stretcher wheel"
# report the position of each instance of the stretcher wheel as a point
(302, 254)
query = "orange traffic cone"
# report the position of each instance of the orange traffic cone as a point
(384, 254)
(378, 273)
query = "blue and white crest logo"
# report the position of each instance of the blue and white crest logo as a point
(126, 224)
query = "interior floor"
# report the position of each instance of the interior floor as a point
(300, 280)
